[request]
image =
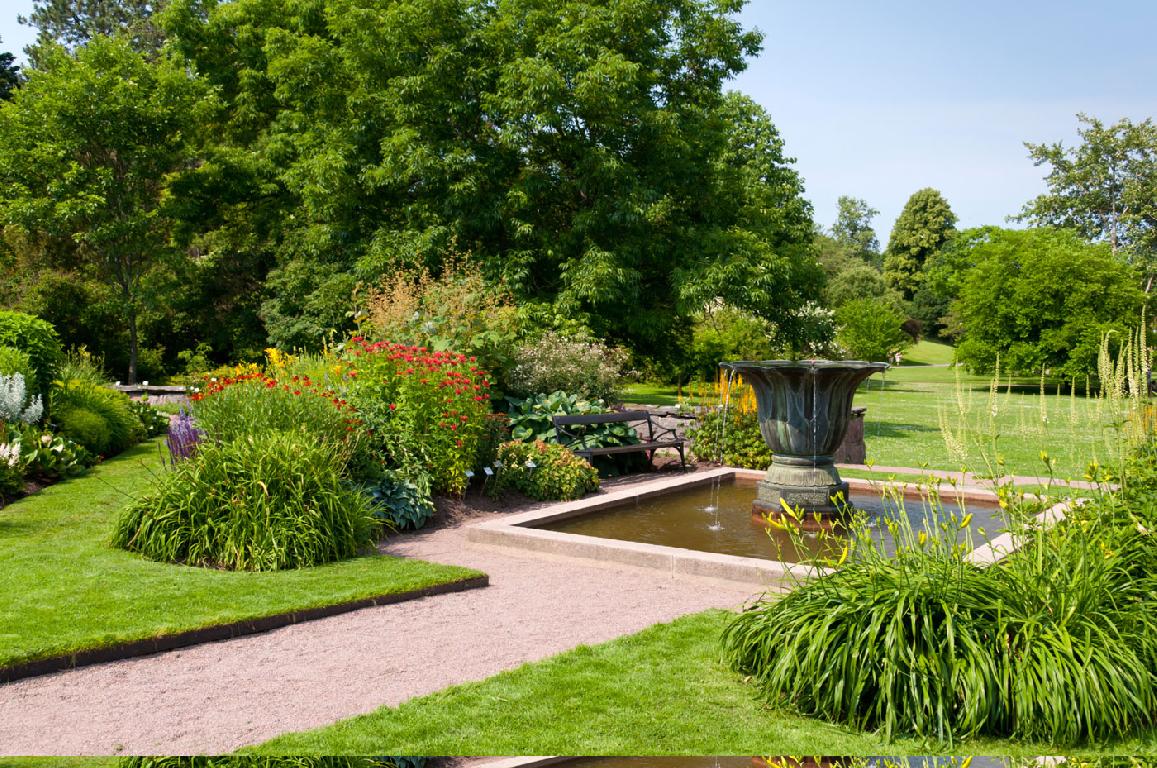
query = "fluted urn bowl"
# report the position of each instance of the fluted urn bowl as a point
(803, 408)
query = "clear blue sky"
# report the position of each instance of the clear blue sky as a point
(879, 99)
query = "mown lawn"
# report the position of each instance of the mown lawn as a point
(66, 589)
(662, 691)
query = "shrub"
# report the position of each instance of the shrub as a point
(557, 474)
(871, 329)
(459, 311)
(404, 504)
(742, 443)
(36, 338)
(115, 429)
(588, 368)
(266, 502)
(48, 457)
(1056, 643)
(256, 761)
(426, 411)
(13, 361)
(16, 406)
(532, 419)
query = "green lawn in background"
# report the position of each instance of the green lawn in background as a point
(908, 404)
(928, 353)
(67, 589)
(662, 691)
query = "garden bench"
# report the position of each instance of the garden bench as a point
(657, 436)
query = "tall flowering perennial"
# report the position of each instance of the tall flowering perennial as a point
(15, 405)
(183, 438)
(426, 410)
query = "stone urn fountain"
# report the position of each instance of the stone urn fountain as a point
(803, 408)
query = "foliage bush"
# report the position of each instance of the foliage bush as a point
(532, 419)
(426, 411)
(13, 361)
(269, 501)
(1056, 643)
(403, 503)
(871, 329)
(49, 457)
(742, 443)
(98, 418)
(36, 338)
(725, 333)
(557, 474)
(587, 367)
(153, 421)
(11, 470)
(457, 311)
(257, 761)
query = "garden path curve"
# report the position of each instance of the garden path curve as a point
(217, 697)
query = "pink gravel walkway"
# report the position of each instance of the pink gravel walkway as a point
(218, 697)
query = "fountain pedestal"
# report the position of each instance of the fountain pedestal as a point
(803, 410)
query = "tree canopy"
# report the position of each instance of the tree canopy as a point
(89, 147)
(1105, 188)
(1041, 298)
(922, 228)
(853, 228)
(72, 23)
(583, 153)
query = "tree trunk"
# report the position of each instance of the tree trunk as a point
(133, 345)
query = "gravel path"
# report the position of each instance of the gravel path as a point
(217, 697)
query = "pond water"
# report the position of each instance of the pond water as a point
(688, 519)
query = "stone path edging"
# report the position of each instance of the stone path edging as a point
(216, 632)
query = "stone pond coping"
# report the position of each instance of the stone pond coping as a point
(518, 531)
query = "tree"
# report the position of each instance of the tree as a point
(72, 23)
(583, 153)
(1041, 298)
(9, 75)
(871, 329)
(860, 281)
(853, 228)
(922, 228)
(89, 148)
(1106, 188)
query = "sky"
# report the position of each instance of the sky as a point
(879, 99)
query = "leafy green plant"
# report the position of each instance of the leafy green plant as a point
(13, 361)
(531, 419)
(265, 502)
(48, 457)
(1053, 643)
(36, 338)
(401, 502)
(11, 470)
(98, 418)
(582, 365)
(739, 445)
(253, 761)
(544, 471)
(153, 421)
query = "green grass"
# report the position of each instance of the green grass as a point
(928, 353)
(662, 691)
(67, 589)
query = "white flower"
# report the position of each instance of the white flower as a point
(10, 453)
(46, 438)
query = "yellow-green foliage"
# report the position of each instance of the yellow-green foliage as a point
(557, 474)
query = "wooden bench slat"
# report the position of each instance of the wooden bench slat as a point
(629, 448)
(621, 417)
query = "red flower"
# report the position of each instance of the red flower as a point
(393, 406)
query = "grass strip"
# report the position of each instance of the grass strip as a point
(661, 691)
(67, 590)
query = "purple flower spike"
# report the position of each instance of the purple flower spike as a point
(183, 437)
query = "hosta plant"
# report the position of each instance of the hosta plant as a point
(402, 503)
(531, 419)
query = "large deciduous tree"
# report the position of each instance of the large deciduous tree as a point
(9, 75)
(581, 151)
(922, 228)
(1042, 298)
(853, 228)
(89, 147)
(1105, 188)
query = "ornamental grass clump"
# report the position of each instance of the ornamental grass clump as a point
(1057, 642)
(269, 501)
